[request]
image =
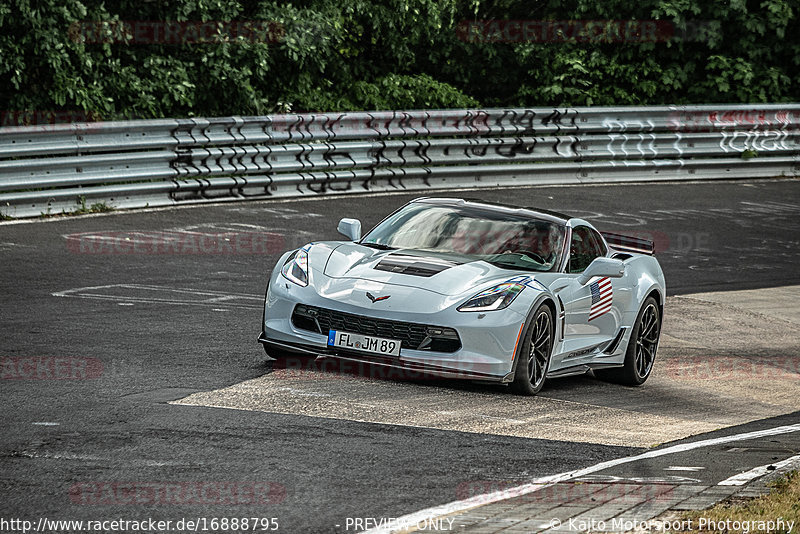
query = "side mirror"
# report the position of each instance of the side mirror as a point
(602, 267)
(350, 228)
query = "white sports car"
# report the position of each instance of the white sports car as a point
(470, 289)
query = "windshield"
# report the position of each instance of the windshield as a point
(508, 241)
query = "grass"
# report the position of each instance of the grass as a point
(98, 207)
(783, 501)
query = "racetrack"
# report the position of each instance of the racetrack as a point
(731, 378)
(154, 334)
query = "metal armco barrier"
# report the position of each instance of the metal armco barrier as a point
(63, 168)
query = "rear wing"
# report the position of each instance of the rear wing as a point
(628, 243)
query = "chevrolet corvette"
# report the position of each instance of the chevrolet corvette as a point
(469, 289)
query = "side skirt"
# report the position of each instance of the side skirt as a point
(581, 369)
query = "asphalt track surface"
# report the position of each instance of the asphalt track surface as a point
(166, 325)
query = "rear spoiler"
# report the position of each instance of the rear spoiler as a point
(627, 243)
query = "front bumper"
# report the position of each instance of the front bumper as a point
(488, 340)
(410, 369)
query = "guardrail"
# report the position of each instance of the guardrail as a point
(132, 164)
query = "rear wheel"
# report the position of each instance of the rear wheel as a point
(642, 347)
(534, 354)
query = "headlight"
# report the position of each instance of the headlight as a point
(296, 267)
(495, 298)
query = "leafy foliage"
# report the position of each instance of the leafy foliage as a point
(387, 54)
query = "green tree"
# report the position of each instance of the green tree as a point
(328, 55)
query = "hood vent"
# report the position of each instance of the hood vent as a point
(413, 265)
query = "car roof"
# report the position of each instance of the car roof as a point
(534, 213)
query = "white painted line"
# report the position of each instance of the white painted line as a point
(46, 423)
(222, 298)
(683, 468)
(612, 479)
(479, 500)
(150, 294)
(143, 287)
(743, 478)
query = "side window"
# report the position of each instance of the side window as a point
(599, 243)
(583, 248)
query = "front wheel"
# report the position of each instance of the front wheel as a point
(642, 347)
(534, 354)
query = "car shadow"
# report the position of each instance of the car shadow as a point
(308, 366)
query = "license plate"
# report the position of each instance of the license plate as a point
(375, 345)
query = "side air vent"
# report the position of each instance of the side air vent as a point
(612, 347)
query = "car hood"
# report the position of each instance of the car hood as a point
(442, 274)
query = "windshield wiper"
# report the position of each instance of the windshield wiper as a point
(512, 266)
(379, 246)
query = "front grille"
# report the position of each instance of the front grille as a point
(411, 335)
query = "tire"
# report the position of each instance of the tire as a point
(533, 358)
(642, 346)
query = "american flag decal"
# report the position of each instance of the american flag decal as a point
(602, 295)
